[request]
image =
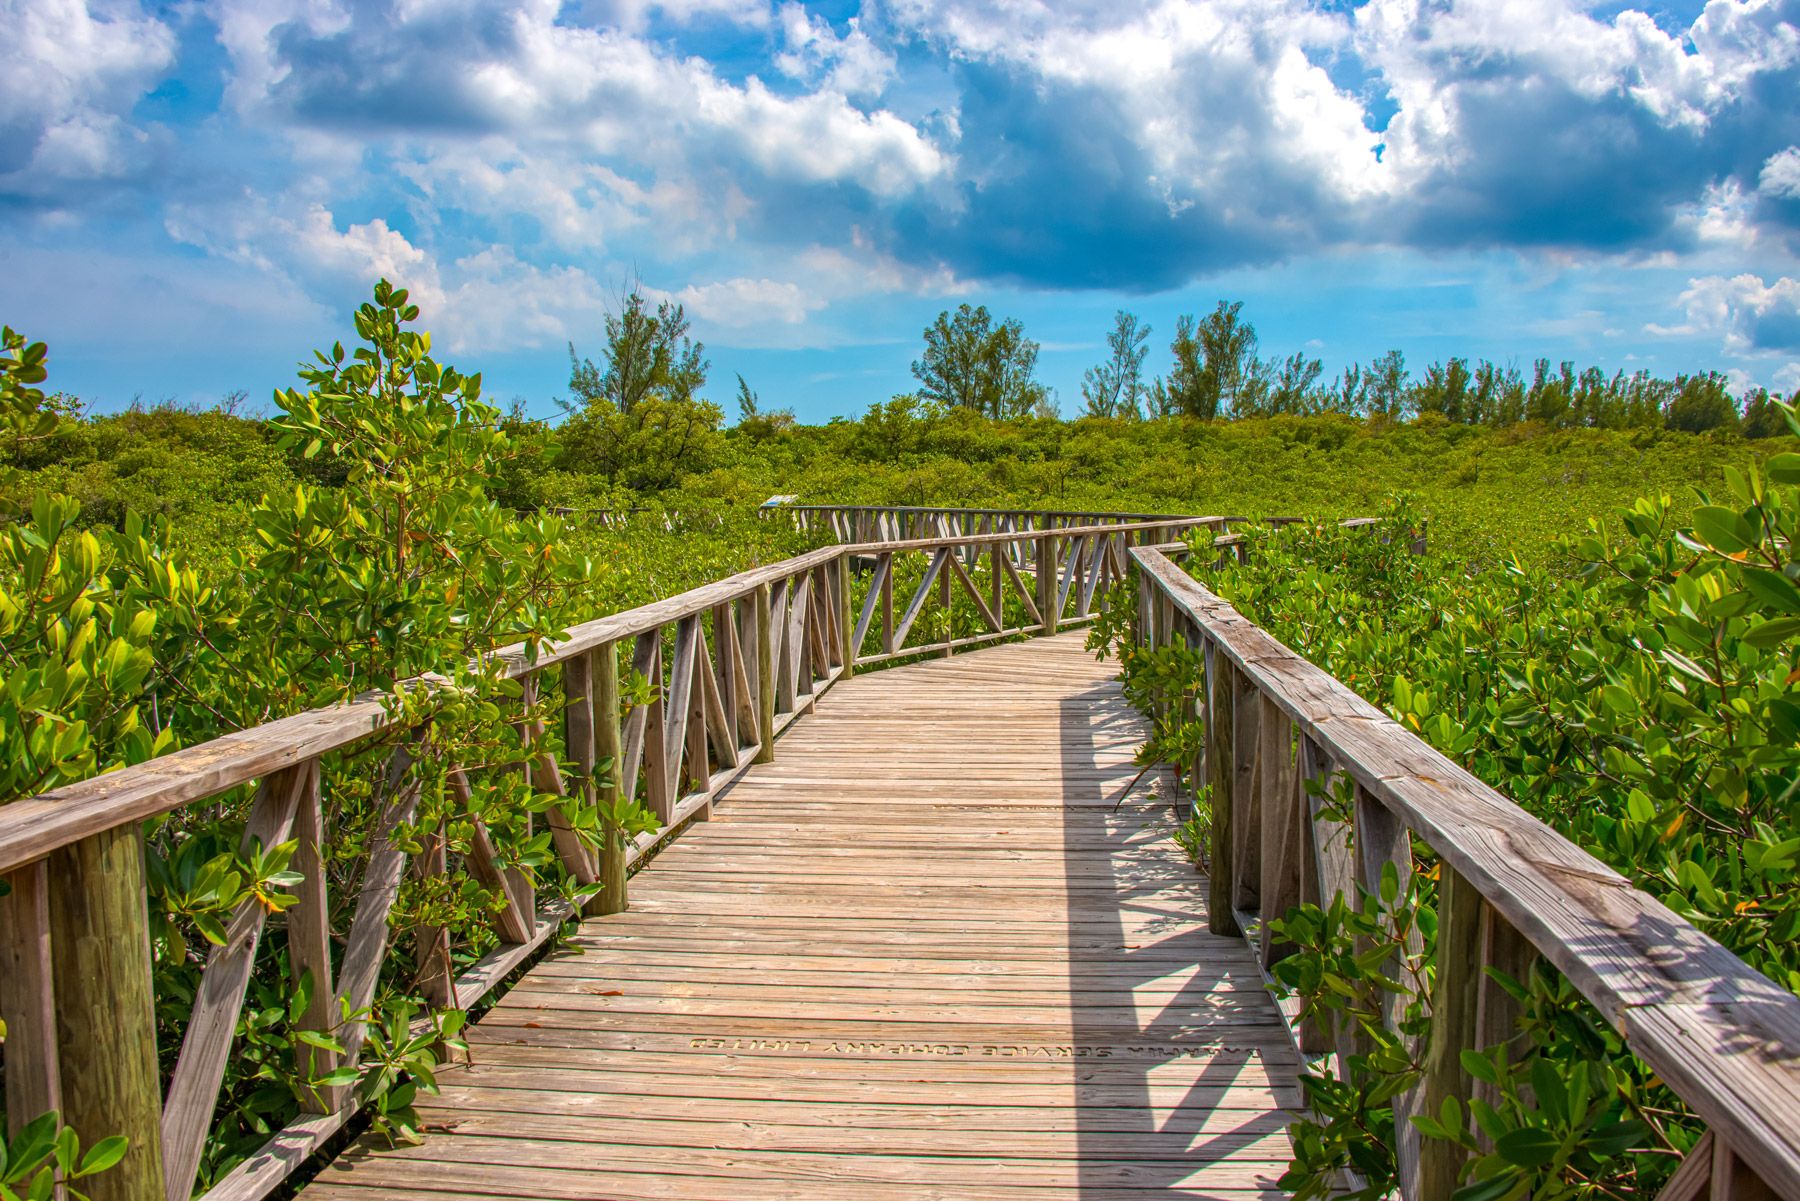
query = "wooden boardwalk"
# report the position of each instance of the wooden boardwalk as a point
(918, 956)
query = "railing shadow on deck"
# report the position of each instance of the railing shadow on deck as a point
(1141, 930)
(730, 665)
(1722, 1036)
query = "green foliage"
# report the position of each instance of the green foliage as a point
(971, 363)
(1634, 686)
(44, 1153)
(1115, 388)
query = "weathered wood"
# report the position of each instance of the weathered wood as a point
(884, 564)
(1221, 772)
(888, 645)
(765, 677)
(1245, 798)
(206, 1043)
(1050, 994)
(1049, 610)
(32, 827)
(989, 615)
(366, 945)
(309, 942)
(649, 732)
(1692, 1181)
(105, 1009)
(610, 780)
(1454, 998)
(28, 998)
(1678, 996)
(1282, 810)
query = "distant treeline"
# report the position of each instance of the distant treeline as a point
(1218, 373)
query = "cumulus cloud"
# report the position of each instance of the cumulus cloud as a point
(475, 68)
(485, 301)
(1752, 316)
(813, 52)
(73, 75)
(739, 303)
(1781, 174)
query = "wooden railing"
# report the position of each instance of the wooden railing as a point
(729, 665)
(1724, 1037)
(899, 523)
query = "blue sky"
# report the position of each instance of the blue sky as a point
(195, 194)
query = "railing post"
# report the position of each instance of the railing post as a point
(1247, 784)
(28, 998)
(1046, 582)
(766, 641)
(846, 617)
(610, 764)
(1220, 773)
(106, 1011)
(1453, 1004)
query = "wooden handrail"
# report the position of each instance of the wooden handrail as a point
(32, 827)
(1724, 1037)
(732, 663)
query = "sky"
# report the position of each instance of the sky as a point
(195, 195)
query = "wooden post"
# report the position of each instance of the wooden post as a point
(1220, 772)
(1246, 789)
(1283, 809)
(1046, 582)
(28, 998)
(944, 599)
(610, 764)
(766, 641)
(105, 1013)
(846, 618)
(1453, 1003)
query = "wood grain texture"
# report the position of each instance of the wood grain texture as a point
(1725, 1037)
(887, 968)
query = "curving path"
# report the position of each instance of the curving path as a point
(918, 956)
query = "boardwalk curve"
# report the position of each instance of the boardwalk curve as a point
(919, 956)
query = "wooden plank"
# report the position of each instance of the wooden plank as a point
(917, 605)
(28, 998)
(1678, 994)
(206, 1043)
(814, 992)
(105, 1008)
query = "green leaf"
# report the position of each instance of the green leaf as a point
(103, 1155)
(1491, 1189)
(1773, 632)
(1529, 1147)
(1783, 468)
(1723, 529)
(1772, 589)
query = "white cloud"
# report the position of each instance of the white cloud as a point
(851, 64)
(1751, 316)
(549, 85)
(1781, 174)
(489, 300)
(741, 303)
(73, 74)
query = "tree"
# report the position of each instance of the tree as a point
(1763, 416)
(970, 363)
(1186, 392)
(1445, 391)
(1115, 387)
(1295, 389)
(754, 420)
(638, 420)
(1387, 381)
(646, 355)
(1701, 403)
(1216, 369)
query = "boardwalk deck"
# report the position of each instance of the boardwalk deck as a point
(918, 956)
